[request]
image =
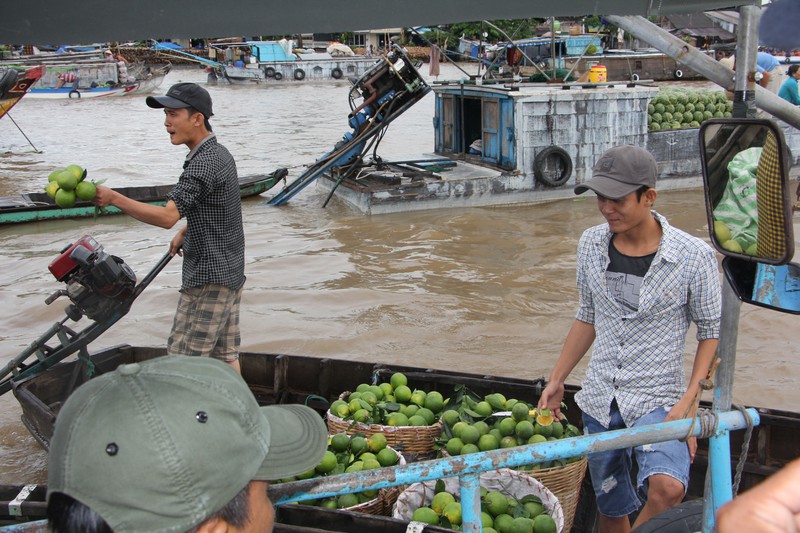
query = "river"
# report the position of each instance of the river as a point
(487, 290)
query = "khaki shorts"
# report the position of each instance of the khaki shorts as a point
(207, 323)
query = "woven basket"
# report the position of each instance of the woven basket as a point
(510, 482)
(414, 442)
(565, 482)
(382, 504)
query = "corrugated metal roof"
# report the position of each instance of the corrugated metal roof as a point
(698, 25)
(56, 21)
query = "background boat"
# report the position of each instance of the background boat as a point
(88, 75)
(38, 206)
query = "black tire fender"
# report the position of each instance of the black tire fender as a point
(678, 74)
(299, 74)
(75, 92)
(7, 81)
(684, 518)
(269, 72)
(278, 76)
(336, 73)
(540, 166)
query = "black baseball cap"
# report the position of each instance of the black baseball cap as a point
(183, 95)
(620, 171)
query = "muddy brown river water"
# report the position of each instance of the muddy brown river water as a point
(487, 290)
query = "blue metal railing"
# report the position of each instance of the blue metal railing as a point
(468, 467)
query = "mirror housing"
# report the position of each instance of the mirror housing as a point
(746, 187)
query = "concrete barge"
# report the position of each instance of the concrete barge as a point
(538, 143)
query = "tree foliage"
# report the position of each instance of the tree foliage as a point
(514, 28)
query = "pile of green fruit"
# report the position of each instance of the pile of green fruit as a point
(499, 513)
(348, 454)
(677, 108)
(739, 245)
(67, 185)
(391, 404)
(477, 427)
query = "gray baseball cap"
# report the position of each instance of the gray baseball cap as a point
(164, 444)
(183, 95)
(620, 171)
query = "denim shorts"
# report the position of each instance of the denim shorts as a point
(611, 471)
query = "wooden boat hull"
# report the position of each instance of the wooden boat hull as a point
(35, 207)
(9, 96)
(277, 378)
(288, 518)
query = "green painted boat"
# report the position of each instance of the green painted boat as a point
(35, 206)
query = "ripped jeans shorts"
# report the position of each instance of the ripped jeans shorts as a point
(611, 471)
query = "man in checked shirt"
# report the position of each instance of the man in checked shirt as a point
(212, 241)
(640, 282)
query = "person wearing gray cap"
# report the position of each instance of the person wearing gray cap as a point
(641, 282)
(174, 444)
(212, 241)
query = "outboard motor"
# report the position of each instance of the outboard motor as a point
(97, 283)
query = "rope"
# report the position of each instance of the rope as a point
(709, 420)
(745, 448)
(705, 384)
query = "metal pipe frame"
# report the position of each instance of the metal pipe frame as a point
(468, 467)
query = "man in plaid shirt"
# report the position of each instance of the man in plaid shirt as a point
(641, 283)
(212, 242)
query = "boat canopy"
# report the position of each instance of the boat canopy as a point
(55, 21)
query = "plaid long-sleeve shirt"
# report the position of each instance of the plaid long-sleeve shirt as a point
(207, 194)
(637, 357)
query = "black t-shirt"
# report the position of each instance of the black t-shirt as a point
(624, 277)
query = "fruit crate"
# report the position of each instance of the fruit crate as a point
(576, 44)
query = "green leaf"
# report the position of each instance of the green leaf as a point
(530, 498)
(390, 406)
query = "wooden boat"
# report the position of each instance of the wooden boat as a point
(15, 84)
(37, 206)
(278, 378)
(89, 75)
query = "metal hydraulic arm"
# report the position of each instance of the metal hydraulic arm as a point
(386, 91)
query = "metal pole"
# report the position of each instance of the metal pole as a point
(470, 486)
(703, 64)
(744, 94)
(718, 476)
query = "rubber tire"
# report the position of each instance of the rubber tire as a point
(299, 74)
(634, 77)
(76, 92)
(684, 518)
(269, 72)
(278, 76)
(539, 165)
(337, 73)
(8, 80)
(678, 74)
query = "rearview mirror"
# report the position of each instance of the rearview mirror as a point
(748, 203)
(772, 286)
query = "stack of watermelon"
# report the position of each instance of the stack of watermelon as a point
(678, 108)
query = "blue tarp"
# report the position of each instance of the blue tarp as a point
(167, 46)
